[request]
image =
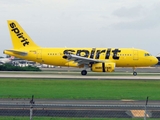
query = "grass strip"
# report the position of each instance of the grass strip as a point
(79, 89)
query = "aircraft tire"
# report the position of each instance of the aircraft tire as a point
(83, 72)
(135, 73)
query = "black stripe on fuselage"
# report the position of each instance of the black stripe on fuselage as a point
(103, 67)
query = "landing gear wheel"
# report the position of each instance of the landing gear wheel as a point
(134, 73)
(83, 72)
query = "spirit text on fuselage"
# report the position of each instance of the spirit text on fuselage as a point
(94, 53)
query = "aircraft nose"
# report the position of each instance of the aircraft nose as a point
(155, 61)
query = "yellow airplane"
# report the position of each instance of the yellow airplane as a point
(97, 59)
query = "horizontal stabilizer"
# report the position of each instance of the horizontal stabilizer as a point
(22, 53)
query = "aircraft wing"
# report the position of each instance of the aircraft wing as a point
(81, 60)
(17, 52)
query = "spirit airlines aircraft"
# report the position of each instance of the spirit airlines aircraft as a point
(97, 59)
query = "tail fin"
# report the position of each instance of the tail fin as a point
(19, 37)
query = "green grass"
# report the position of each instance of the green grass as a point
(79, 89)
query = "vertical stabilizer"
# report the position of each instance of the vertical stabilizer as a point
(19, 37)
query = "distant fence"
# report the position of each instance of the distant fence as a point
(80, 111)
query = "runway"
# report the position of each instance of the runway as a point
(80, 77)
(151, 73)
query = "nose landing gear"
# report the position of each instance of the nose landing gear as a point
(83, 72)
(134, 72)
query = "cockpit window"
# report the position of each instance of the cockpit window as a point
(147, 54)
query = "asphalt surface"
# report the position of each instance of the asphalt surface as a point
(79, 108)
(150, 73)
(80, 77)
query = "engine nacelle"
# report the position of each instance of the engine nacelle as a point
(103, 67)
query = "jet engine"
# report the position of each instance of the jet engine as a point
(103, 67)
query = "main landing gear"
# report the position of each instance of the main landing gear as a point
(83, 72)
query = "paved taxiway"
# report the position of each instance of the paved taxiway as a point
(79, 102)
(79, 108)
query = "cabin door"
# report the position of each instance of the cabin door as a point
(135, 54)
(39, 54)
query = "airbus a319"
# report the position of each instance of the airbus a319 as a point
(97, 59)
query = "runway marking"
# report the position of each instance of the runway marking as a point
(138, 113)
(126, 100)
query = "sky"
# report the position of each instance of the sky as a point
(84, 23)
